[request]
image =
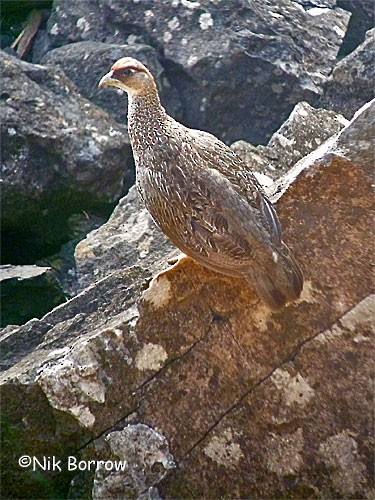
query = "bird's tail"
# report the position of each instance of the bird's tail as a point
(281, 283)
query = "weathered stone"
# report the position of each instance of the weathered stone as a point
(63, 262)
(351, 84)
(304, 130)
(259, 161)
(298, 434)
(129, 238)
(86, 62)
(313, 4)
(362, 19)
(60, 154)
(356, 142)
(145, 454)
(253, 403)
(28, 292)
(271, 50)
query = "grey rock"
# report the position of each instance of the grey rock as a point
(356, 142)
(321, 4)
(239, 67)
(41, 45)
(34, 358)
(353, 144)
(7, 329)
(146, 455)
(362, 19)
(351, 84)
(258, 160)
(28, 292)
(151, 494)
(304, 130)
(86, 62)
(21, 272)
(130, 237)
(60, 153)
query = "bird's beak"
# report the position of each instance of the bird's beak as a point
(107, 80)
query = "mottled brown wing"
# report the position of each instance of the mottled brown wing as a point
(238, 173)
(200, 224)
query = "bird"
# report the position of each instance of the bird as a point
(202, 195)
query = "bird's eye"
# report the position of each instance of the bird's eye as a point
(127, 72)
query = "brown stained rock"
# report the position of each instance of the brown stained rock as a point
(304, 432)
(251, 403)
(332, 215)
(242, 342)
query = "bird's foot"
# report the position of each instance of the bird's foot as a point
(179, 259)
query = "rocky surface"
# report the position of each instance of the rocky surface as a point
(305, 130)
(28, 292)
(298, 433)
(178, 372)
(351, 83)
(129, 238)
(362, 19)
(272, 52)
(60, 154)
(222, 396)
(320, 4)
(356, 142)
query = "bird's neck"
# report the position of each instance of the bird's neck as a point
(146, 119)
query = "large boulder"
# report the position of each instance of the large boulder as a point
(305, 129)
(197, 388)
(129, 238)
(362, 19)
(60, 155)
(239, 66)
(28, 292)
(351, 83)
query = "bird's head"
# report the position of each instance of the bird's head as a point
(130, 75)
